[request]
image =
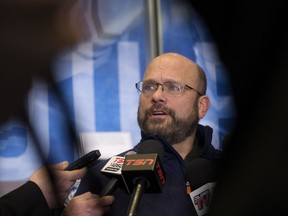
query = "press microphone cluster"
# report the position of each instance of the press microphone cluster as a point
(202, 178)
(136, 172)
(143, 172)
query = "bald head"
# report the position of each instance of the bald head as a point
(177, 67)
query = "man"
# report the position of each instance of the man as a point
(173, 99)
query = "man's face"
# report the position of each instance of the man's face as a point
(172, 117)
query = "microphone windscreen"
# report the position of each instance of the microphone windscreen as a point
(130, 153)
(199, 172)
(151, 146)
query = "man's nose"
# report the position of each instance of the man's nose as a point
(159, 94)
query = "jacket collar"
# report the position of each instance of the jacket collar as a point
(203, 135)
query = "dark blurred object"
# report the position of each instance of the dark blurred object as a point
(200, 172)
(31, 35)
(252, 38)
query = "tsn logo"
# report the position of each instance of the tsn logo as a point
(160, 173)
(148, 163)
(139, 162)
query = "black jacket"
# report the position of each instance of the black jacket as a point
(174, 199)
(27, 200)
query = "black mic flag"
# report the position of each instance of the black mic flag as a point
(143, 172)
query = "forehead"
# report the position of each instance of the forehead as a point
(171, 67)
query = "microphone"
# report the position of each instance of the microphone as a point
(143, 172)
(202, 179)
(113, 169)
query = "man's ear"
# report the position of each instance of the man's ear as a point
(203, 106)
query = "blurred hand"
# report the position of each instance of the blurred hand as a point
(88, 204)
(55, 182)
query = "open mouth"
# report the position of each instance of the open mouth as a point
(158, 113)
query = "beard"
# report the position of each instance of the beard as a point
(175, 131)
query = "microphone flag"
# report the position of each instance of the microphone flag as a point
(147, 166)
(202, 197)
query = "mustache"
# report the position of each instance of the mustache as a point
(157, 107)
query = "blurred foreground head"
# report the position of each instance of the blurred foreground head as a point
(32, 33)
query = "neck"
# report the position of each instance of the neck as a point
(185, 147)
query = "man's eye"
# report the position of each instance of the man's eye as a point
(173, 87)
(148, 87)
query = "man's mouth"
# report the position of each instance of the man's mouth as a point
(158, 113)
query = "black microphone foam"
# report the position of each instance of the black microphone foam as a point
(199, 172)
(151, 146)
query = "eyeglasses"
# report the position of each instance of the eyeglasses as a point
(170, 88)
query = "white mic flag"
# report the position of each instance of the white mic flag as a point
(201, 198)
(114, 165)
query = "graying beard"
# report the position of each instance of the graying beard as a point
(177, 133)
